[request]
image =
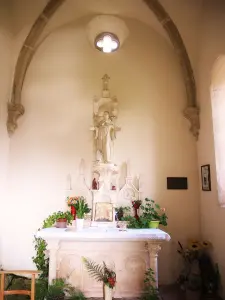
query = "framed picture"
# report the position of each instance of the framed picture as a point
(103, 212)
(206, 179)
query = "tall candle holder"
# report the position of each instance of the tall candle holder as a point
(136, 204)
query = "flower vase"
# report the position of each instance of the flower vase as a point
(73, 211)
(107, 292)
(79, 224)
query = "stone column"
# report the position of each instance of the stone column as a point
(52, 247)
(153, 250)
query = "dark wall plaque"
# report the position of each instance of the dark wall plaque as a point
(177, 183)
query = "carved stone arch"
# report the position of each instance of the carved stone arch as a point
(15, 107)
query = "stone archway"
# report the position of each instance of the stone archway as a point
(16, 108)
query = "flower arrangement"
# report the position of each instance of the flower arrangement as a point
(152, 211)
(81, 207)
(72, 201)
(199, 272)
(101, 273)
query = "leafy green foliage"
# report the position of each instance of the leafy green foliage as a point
(77, 295)
(96, 271)
(41, 288)
(210, 274)
(150, 292)
(100, 273)
(152, 211)
(56, 290)
(40, 259)
(121, 210)
(81, 208)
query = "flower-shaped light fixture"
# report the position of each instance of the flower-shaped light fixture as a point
(107, 42)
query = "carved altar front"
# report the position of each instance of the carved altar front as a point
(129, 253)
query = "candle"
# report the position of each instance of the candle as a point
(138, 181)
(69, 187)
(128, 168)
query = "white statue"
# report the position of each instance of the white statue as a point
(105, 134)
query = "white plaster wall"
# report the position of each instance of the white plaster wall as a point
(5, 81)
(54, 133)
(212, 46)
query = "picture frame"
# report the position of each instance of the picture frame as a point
(206, 178)
(103, 212)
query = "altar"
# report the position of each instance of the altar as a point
(128, 252)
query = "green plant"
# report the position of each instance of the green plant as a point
(101, 272)
(199, 273)
(56, 290)
(41, 259)
(41, 288)
(76, 295)
(152, 211)
(81, 208)
(121, 210)
(63, 215)
(210, 275)
(150, 291)
(132, 222)
(136, 203)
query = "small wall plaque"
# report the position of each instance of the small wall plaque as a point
(177, 183)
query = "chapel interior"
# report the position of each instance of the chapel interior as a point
(166, 69)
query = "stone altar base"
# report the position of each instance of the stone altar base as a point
(128, 252)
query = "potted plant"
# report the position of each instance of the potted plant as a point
(199, 276)
(62, 218)
(102, 274)
(152, 212)
(81, 209)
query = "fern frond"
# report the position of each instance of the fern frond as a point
(95, 270)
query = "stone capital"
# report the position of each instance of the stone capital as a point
(52, 245)
(192, 114)
(14, 112)
(153, 249)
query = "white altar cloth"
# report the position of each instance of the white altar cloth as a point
(131, 252)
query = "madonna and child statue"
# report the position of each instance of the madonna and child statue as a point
(105, 128)
(105, 134)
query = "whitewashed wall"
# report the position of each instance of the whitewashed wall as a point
(54, 133)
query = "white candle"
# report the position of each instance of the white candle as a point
(69, 187)
(138, 181)
(128, 168)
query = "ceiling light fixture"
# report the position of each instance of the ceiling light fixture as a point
(107, 42)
